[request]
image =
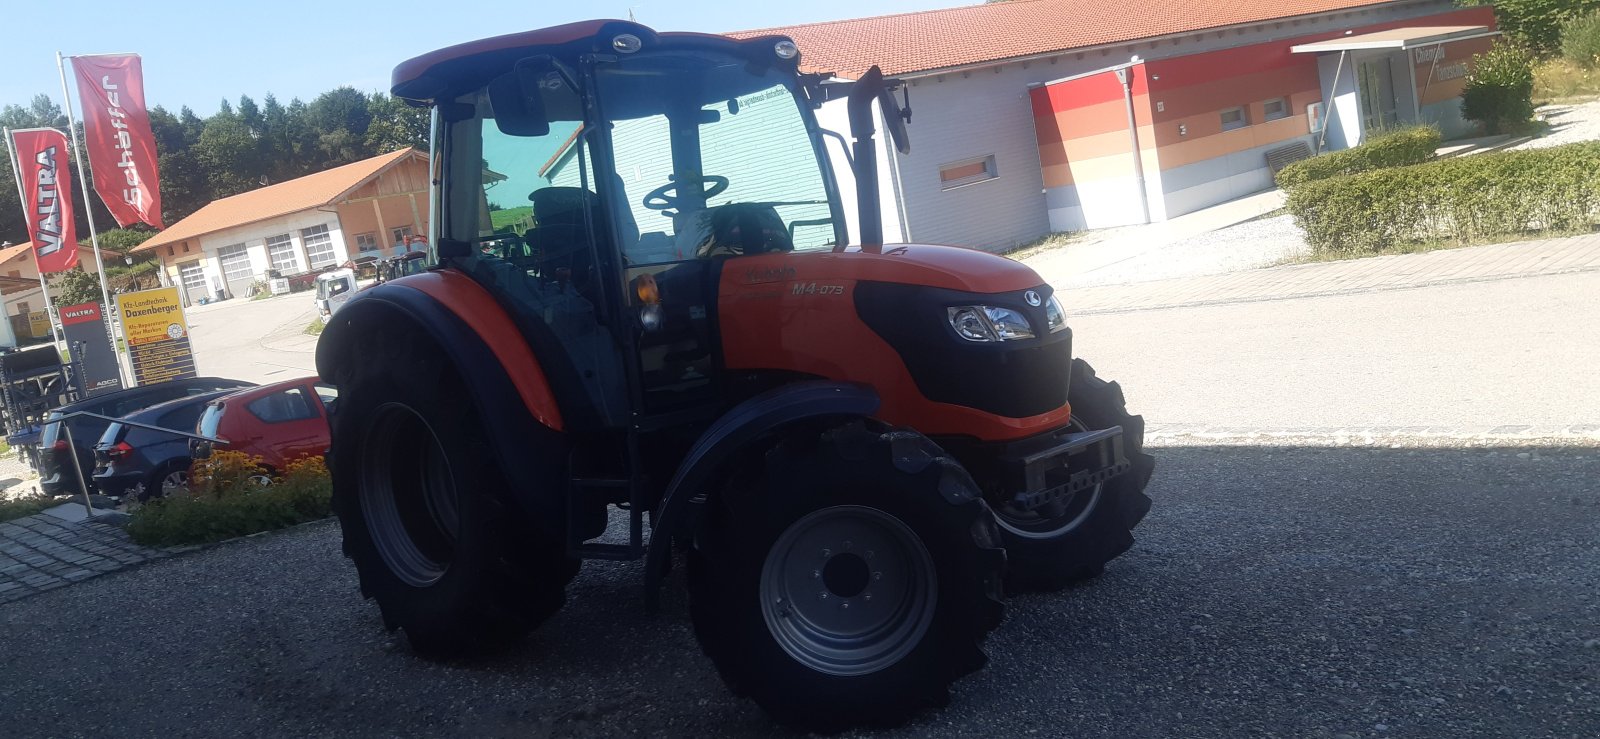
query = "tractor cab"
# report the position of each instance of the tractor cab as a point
(599, 182)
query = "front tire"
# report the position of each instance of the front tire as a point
(428, 517)
(1072, 540)
(850, 581)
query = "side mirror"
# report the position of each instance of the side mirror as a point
(896, 116)
(518, 100)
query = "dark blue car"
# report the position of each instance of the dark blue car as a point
(130, 460)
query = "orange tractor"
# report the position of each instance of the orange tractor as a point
(643, 304)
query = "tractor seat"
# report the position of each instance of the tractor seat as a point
(740, 229)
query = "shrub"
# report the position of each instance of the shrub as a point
(1499, 92)
(1580, 40)
(26, 505)
(226, 500)
(1396, 148)
(1497, 195)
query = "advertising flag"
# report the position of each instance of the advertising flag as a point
(42, 156)
(116, 127)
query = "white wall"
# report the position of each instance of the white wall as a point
(254, 237)
(834, 115)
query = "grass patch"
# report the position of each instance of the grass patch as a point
(1560, 80)
(508, 217)
(24, 506)
(315, 327)
(1046, 243)
(225, 502)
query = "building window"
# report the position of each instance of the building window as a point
(1234, 118)
(400, 234)
(966, 172)
(280, 251)
(367, 242)
(1274, 109)
(169, 250)
(14, 273)
(235, 261)
(319, 246)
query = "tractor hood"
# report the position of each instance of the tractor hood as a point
(948, 267)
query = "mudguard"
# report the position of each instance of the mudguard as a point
(526, 436)
(726, 438)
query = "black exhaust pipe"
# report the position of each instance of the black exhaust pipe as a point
(862, 128)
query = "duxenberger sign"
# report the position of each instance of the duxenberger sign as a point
(157, 335)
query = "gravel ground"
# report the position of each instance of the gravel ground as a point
(1569, 124)
(1273, 592)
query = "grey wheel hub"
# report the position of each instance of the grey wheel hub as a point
(848, 590)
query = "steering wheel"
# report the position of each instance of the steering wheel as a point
(658, 199)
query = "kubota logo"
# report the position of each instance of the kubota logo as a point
(769, 274)
(1033, 298)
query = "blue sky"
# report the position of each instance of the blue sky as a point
(196, 53)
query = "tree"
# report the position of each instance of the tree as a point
(227, 152)
(74, 286)
(1580, 40)
(395, 125)
(1536, 24)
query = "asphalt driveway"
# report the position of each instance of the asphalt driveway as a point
(1286, 592)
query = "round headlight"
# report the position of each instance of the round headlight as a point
(626, 43)
(786, 49)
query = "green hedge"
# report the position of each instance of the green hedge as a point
(1397, 148)
(227, 503)
(1498, 195)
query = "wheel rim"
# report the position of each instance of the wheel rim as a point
(407, 496)
(174, 481)
(1055, 519)
(848, 590)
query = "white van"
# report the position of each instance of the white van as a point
(333, 289)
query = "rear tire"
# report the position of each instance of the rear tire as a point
(881, 514)
(1074, 539)
(428, 517)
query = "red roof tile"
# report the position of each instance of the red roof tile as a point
(953, 37)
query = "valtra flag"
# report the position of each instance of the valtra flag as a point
(116, 127)
(47, 196)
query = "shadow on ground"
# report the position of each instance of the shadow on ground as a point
(1290, 591)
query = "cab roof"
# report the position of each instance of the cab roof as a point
(455, 69)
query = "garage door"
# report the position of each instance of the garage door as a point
(235, 261)
(194, 280)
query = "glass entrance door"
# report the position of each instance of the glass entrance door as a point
(1378, 105)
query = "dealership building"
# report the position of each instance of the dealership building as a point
(1036, 116)
(365, 208)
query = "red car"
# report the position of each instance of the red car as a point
(279, 423)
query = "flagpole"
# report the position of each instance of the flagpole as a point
(22, 199)
(94, 234)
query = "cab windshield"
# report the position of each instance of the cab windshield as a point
(711, 158)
